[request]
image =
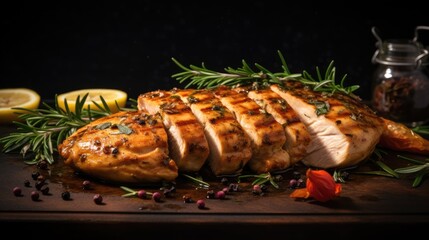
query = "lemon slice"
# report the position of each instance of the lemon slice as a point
(16, 98)
(111, 96)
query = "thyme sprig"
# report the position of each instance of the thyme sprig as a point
(42, 130)
(260, 179)
(202, 77)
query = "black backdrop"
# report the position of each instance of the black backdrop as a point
(57, 48)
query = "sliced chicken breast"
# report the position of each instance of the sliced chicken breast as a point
(229, 145)
(188, 145)
(266, 134)
(297, 136)
(123, 147)
(343, 130)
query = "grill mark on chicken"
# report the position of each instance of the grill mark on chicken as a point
(266, 134)
(141, 156)
(230, 147)
(187, 143)
(343, 136)
(297, 136)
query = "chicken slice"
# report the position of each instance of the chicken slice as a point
(187, 144)
(123, 147)
(229, 146)
(343, 130)
(297, 136)
(266, 134)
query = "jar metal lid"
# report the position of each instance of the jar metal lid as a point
(399, 52)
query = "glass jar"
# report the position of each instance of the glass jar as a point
(400, 88)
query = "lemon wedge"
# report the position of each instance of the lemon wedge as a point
(16, 98)
(111, 96)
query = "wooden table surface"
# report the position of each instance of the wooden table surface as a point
(369, 206)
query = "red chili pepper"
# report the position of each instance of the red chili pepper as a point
(320, 185)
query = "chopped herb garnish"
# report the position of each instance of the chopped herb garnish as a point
(124, 129)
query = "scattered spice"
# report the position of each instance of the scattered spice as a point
(65, 195)
(201, 204)
(17, 191)
(35, 196)
(27, 183)
(98, 199)
(86, 185)
(45, 190)
(220, 195)
(157, 197)
(34, 175)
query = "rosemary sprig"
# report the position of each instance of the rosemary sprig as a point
(260, 179)
(199, 182)
(202, 77)
(420, 168)
(44, 129)
(385, 171)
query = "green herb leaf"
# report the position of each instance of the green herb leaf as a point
(199, 182)
(412, 169)
(124, 129)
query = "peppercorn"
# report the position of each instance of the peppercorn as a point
(300, 183)
(41, 178)
(17, 191)
(98, 199)
(86, 185)
(201, 204)
(141, 194)
(257, 189)
(292, 183)
(45, 190)
(27, 183)
(39, 185)
(65, 195)
(34, 196)
(42, 165)
(34, 175)
(220, 195)
(156, 196)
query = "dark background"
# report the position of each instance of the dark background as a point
(57, 48)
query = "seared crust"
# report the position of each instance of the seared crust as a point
(188, 145)
(102, 150)
(229, 145)
(266, 134)
(297, 136)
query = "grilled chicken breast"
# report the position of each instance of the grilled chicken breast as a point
(229, 145)
(297, 136)
(123, 147)
(187, 144)
(267, 130)
(343, 130)
(266, 134)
